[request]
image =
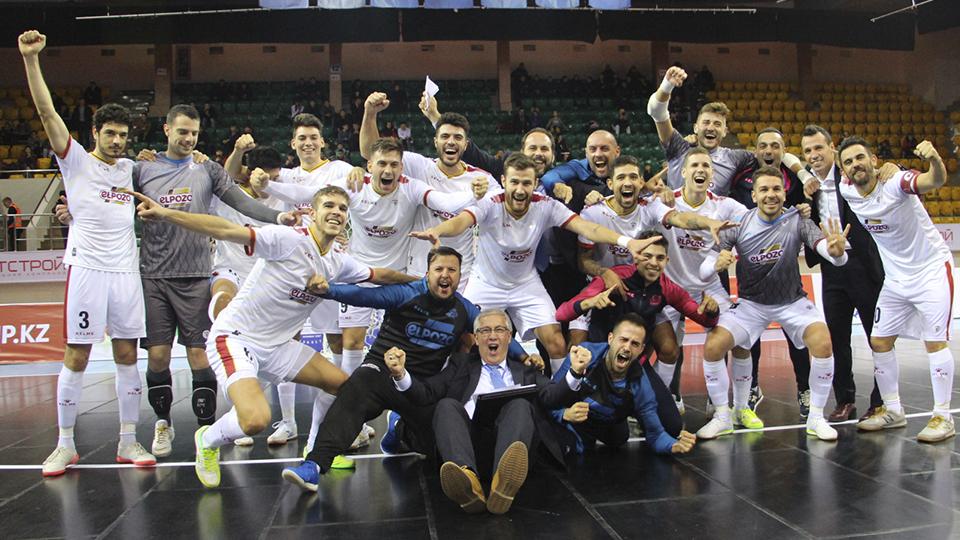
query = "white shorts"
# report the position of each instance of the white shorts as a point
(747, 320)
(355, 316)
(228, 274)
(96, 300)
(528, 305)
(580, 323)
(916, 309)
(235, 357)
(324, 319)
(715, 290)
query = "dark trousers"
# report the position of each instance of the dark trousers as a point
(845, 289)
(591, 431)
(364, 396)
(461, 441)
(666, 406)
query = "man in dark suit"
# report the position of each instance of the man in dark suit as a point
(853, 286)
(518, 427)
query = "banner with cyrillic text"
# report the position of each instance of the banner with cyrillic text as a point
(32, 266)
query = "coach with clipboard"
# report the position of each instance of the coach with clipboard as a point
(486, 398)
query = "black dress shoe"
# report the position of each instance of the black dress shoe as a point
(869, 413)
(844, 411)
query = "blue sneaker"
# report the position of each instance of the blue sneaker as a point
(390, 443)
(306, 476)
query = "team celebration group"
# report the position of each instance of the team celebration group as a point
(465, 254)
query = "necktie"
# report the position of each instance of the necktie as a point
(495, 377)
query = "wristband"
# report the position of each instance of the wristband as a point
(623, 241)
(666, 86)
(576, 375)
(280, 218)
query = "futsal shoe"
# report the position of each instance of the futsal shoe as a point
(286, 432)
(135, 453)
(60, 460)
(207, 463)
(306, 476)
(244, 441)
(756, 396)
(748, 419)
(163, 435)
(939, 428)
(883, 418)
(342, 462)
(819, 428)
(510, 475)
(462, 486)
(390, 443)
(715, 428)
(803, 401)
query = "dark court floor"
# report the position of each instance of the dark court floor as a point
(772, 484)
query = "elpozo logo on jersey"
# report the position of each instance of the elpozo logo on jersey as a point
(767, 255)
(177, 198)
(378, 231)
(517, 255)
(303, 297)
(875, 225)
(689, 241)
(115, 195)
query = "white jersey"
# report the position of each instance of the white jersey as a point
(648, 214)
(273, 304)
(324, 174)
(230, 254)
(895, 218)
(101, 235)
(429, 171)
(507, 244)
(688, 249)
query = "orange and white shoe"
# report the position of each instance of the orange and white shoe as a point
(60, 460)
(135, 453)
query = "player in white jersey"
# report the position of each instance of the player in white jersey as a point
(768, 273)
(448, 173)
(103, 277)
(382, 216)
(918, 282)
(254, 335)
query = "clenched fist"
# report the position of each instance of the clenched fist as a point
(395, 359)
(579, 359)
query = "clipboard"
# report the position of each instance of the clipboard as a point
(489, 404)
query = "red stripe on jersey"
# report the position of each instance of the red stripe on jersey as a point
(67, 149)
(537, 197)
(225, 356)
(467, 210)
(908, 182)
(569, 219)
(425, 195)
(248, 249)
(499, 197)
(66, 295)
(665, 216)
(471, 168)
(585, 246)
(679, 193)
(403, 179)
(950, 312)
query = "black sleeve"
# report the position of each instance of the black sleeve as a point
(553, 394)
(478, 158)
(433, 389)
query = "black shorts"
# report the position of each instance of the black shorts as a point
(176, 306)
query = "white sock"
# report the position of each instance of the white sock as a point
(555, 364)
(224, 431)
(665, 371)
(287, 396)
(742, 379)
(321, 404)
(941, 376)
(821, 381)
(129, 390)
(887, 371)
(351, 360)
(69, 387)
(336, 359)
(718, 384)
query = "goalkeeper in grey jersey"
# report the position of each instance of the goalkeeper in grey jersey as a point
(768, 243)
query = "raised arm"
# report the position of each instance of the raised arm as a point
(31, 43)
(936, 176)
(659, 102)
(369, 132)
(207, 225)
(234, 163)
(385, 297)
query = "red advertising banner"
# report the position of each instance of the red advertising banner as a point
(31, 332)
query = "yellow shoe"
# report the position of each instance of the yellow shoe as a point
(748, 419)
(342, 462)
(207, 461)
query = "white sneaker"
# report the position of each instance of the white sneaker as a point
(244, 441)
(58, 462)
(938, 429)
(715, 428)
(286, 431)
(135, 453)
(163, 436)
(819, 428)
(207, 464)
(362, 440)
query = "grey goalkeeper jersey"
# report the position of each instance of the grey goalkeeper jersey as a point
(727, 162)
(767, 253)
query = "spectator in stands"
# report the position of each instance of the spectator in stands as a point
(326, 113)
(208, 118)
(356, 108)
(405, 134)
(296, 109)
(884, 151)
(340, 120)
(58, 104)
(907, 144)
(82, 119)
(92, 94)
(592, 125)
(621, 124)
(388, 130)
(344, 135)
(232, 135)
(398, 98)
(342, 153)
(354, 138)
(520, 71)
(15, 225)
(520, 121)
(27, 160)
(608, 78)
(536, 120)
(705, 79)
(563, 149)
(555, 124)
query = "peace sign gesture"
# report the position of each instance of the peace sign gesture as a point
(836, 239)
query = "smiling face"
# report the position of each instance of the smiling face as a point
(493, 337)
(443, 276)
(859, 165)
(697, 173)
(769, 150)
(111, 140)
(181, 136)
(651, 262)
(518, 186)
(385, 169)
(769, 195)
(329, 214)
(601, 150)
(818, 153)
(626, 183)
(450, 142)
(626, 345)
(308, 143)
(538, 147)
(710, 129)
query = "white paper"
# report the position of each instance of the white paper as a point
(430, 87)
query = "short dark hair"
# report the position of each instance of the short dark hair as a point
(519, 162)
(336, 191)
(630, 318)
(623, 160)
(853, 140)
(523, 140)
(766, 170)
(454, 119)
(386, 145)
(662, 241)
(696, 151)
(111, 113)
(306, 120)
(443, 251)
(813, 129)
(769, 129)
(182, 110)
(715, 107)
(264, 157)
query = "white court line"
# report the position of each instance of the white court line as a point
(376, 456)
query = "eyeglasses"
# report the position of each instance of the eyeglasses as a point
(486, 330)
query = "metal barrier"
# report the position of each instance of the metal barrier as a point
(45, 233)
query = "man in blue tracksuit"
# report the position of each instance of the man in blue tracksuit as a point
(614, 387)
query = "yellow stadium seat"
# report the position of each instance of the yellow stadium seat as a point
(955, 193)
(744, 139)
(794, 139)
(27, 113)
(21, 101)
(933, 208)
(764, 115)
(883, 129)
(4, 151)
(952, 165)
(776, 116)
(16, 150)
(748, 128)
(44, 163)
(789, 116)
(712, 95)
(16, 176)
